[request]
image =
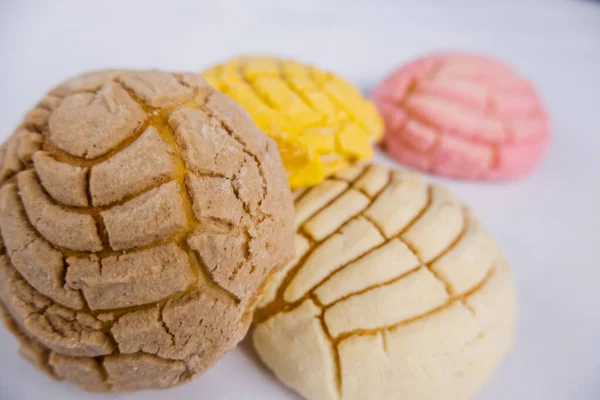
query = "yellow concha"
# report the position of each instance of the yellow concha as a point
(320, 122)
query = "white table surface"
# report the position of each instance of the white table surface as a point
(547, 224)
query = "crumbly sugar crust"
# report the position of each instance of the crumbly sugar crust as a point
(140, 214)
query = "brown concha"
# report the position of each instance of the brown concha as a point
(140, 214)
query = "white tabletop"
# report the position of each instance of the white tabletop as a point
(548, 224)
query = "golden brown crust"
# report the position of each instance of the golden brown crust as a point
(140, 213)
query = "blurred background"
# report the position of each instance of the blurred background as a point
(548, 224)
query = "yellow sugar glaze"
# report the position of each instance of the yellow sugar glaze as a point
(320, 122)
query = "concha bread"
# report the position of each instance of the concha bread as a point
(396, 292)
(464, 116)
(321, 122)
(140, 214)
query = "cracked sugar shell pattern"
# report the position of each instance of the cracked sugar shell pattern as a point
(140, 214)
(396, 292)
(321, 123)
(463, 116)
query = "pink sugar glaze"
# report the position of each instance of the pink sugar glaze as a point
(463, 116)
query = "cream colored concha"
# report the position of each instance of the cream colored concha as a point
(140, 214)
(396, 292)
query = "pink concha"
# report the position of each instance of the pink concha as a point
(463, 116)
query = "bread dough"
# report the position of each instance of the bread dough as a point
(396, 292)
(463, 116)
(320, 122)
(140, 214)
